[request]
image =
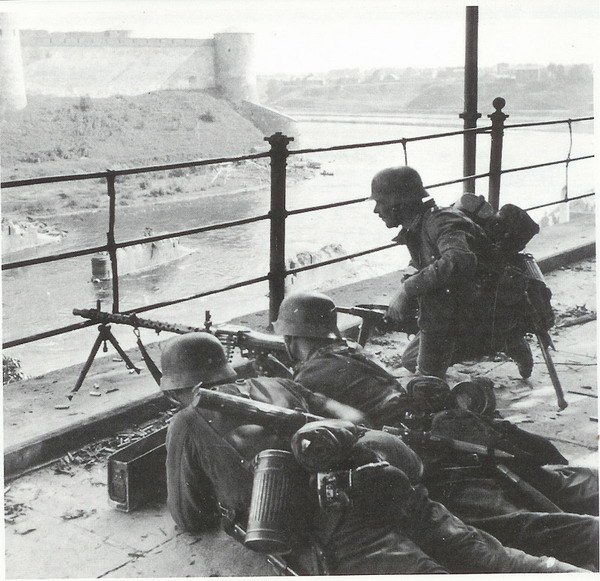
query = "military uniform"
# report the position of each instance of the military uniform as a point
(208, 457)
(474, 495)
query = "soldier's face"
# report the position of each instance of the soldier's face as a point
(290, 347)
(386, 208)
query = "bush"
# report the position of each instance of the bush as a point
(11, 370)
(207, 117)
(85, 103)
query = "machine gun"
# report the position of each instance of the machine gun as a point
(373, 317)
(267, 353)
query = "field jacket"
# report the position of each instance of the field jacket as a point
(444, 246)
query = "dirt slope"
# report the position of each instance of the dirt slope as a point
(54, 135)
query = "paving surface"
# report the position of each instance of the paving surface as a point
(58, 523)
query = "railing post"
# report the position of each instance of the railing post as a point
(470, 114)
(279, 154)
(110, 238)
(498, 117)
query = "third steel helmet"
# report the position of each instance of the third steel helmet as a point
(189, 359)
(399, 183)
(307, 314)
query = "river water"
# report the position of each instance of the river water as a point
(42, 297)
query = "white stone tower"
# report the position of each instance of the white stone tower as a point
(235, 73)
(12, 81)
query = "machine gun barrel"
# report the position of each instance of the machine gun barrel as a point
(133, 320)
(241, 337)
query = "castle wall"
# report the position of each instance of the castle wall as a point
(101, 64)
(101, 71)
(12, 83)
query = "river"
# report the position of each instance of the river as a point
(42, 297)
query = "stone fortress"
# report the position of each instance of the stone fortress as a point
(101, 64)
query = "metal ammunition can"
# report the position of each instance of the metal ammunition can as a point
(271, 517)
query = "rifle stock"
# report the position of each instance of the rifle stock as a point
(374, 316)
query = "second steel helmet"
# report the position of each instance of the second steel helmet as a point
(189, 359)
(401, 183)
(307, 314)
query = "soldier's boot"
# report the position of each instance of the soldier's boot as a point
(520, 352)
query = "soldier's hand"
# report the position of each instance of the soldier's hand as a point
(400, 307)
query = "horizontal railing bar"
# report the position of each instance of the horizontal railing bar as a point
(546, 164)
(326, 206)
(191, 231)
(200, 295)
(340, 259)
(129, 171)
(184, 164)
(540, 123)
(144, 240)
(47, 334)
(358, 200)
(389, 141)
(563, 201)
(53, 257)
(53, 179)
(145, 308)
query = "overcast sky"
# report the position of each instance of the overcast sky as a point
(294, 36)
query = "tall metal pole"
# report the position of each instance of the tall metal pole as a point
(498, 117)
(279, 154)
(470, 114)
(110, 238)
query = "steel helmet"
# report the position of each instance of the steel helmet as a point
(308, 314)
(402, 183)
(189, 359)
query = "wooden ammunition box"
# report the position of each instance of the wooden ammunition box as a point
(136, 474)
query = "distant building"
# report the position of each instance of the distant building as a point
(523, 72)
(451, 73)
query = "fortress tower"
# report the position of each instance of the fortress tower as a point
(12, 83)
(235, 73)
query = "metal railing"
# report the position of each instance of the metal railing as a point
(278, 155)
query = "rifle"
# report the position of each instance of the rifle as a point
(268, 351)
(373, 317)
(532, 271)
(289, 421)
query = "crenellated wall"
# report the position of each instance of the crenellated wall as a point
(101, 64)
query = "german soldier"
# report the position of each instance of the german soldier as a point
(446, 248)
(209, 456)
(476, 494)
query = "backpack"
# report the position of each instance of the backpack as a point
(509, 229)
